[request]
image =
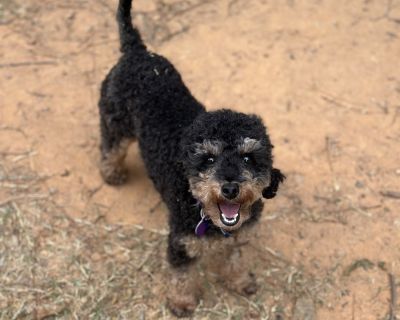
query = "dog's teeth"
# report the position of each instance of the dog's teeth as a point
(229, 220)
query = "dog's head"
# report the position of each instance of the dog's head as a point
(228, 162)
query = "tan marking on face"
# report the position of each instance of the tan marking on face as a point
(205, 187)
(252, 187)
(249, 145)
(209, 147)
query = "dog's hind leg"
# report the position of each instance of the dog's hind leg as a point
(117, 133)
(112, 167)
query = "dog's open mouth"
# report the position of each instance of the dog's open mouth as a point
(229, 213)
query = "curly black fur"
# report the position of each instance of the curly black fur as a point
(276, 178)
(144, 97)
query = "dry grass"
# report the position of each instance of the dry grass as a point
(53, 266)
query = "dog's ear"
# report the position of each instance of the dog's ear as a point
(276, 178)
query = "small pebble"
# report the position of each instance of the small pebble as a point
(360, 184)
(66, 173)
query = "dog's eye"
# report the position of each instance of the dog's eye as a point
(246, 159)
(210, 160)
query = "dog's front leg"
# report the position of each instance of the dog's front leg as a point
(184, 292)
(183, 295)
(231, 268)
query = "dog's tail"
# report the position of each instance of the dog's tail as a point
(128, 34)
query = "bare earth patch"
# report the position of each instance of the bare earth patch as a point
(324, 77)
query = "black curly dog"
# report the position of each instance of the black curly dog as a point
(211, 168)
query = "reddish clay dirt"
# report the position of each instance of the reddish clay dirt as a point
(323, 75)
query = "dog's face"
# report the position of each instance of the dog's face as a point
(228, 162)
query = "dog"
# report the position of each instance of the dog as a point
(211, 168)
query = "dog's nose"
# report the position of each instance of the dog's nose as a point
(230, 190)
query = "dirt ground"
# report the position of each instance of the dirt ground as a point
(324, 76)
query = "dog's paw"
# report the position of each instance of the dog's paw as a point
(115, 177)
(244, 285)
(182, 305)
(250, 286)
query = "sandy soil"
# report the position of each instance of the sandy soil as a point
(324, 76)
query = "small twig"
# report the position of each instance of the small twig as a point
(273, 252)
(93, 191)
(23, 156)
(155, 207)
(11, 153)
(147, 256)
(172, 13)
(171, 35)
(396, 113)
(22, 289)
(386, 15)
(329, 157)
(269, 251)
(37, 94)
(29, 196)
(391, 194)
(328, 152)
(370, 207)
(162, 232)
(362, 211)
(393, 297)
(27, 64)
(340, 102)
(14, 129)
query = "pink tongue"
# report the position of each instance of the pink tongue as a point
(229, 209)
